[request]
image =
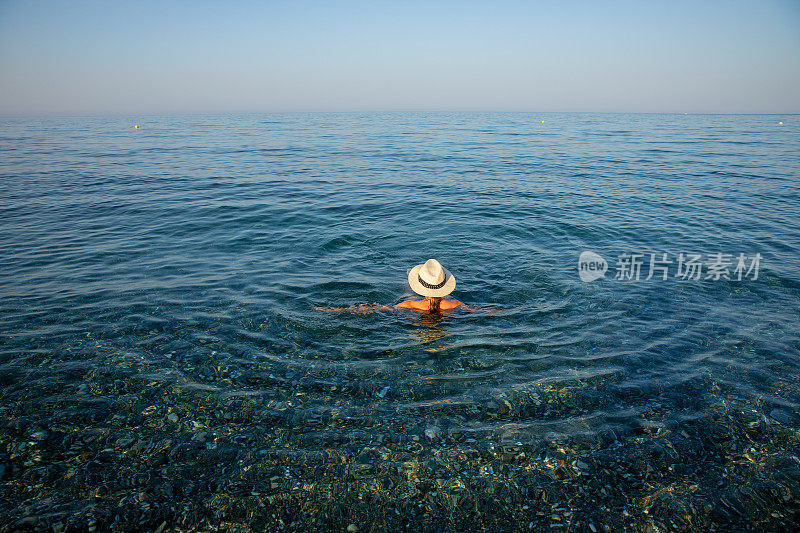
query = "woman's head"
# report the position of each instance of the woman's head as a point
(431, 279)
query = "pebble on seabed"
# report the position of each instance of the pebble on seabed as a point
(433, 432)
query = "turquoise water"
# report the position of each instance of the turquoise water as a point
(174, 270)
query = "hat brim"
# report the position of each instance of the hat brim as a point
(416, 286)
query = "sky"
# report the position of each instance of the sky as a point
(132, 57)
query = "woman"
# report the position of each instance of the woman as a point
(434, 282)
(430, 280)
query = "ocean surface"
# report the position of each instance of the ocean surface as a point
(159, 289)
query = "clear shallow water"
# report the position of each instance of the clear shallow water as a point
(176, 268)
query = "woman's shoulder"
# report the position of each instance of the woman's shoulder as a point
(449, 304)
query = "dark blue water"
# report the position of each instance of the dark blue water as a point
(174, 270)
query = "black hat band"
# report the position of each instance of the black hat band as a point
(429, 286)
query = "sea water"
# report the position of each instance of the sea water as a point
(159, 288)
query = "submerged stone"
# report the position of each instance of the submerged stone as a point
(781, 416)
(433, 432)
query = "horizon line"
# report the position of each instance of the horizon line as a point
(57, 115)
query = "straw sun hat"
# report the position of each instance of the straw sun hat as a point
(431, 279)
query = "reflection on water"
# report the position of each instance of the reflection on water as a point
(429, 328)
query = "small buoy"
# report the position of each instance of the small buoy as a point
(543, 122)
(136, 126)
(780, 123)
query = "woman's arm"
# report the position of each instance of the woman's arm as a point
(358, 309)
(480, 309)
